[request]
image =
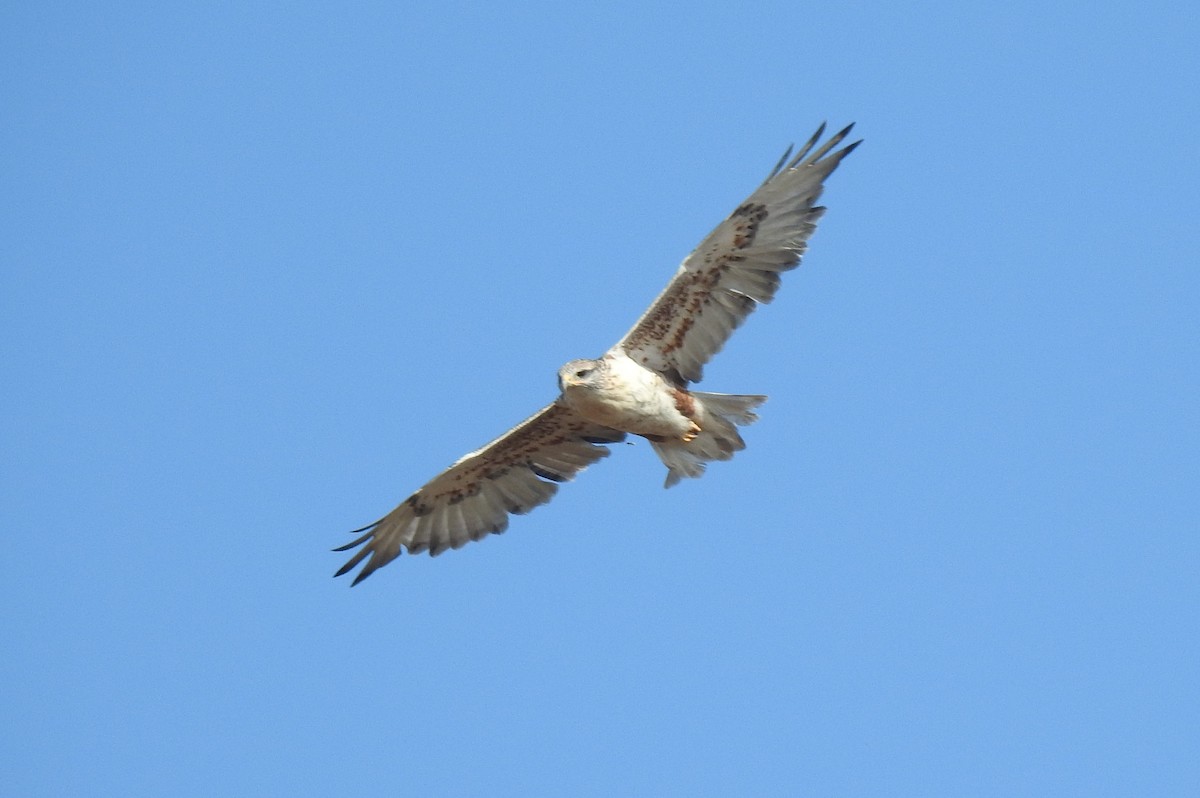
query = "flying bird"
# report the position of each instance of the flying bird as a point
(639, 386)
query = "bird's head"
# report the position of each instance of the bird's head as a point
(579, 373)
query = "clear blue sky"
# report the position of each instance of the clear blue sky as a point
(268, 267)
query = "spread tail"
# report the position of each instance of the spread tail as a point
(718, 415)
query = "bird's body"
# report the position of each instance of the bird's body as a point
(686, 428)
(617, 392)
(640, 386)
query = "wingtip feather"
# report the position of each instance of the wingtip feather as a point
(849, 148)
(779, 164)
(833, 141)
(808, 145)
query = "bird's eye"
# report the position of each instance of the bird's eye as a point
(583, 372)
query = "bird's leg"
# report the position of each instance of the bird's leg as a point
(685, 403)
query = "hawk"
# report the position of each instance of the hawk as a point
(639, 386)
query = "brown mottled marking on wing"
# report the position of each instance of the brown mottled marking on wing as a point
(474, 497)
(418, 507)
(736, 268)
(747, 219)
(673, 316)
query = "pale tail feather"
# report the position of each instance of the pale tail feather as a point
(721, 414)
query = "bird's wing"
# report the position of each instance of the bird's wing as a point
(736, 267)
(472, 498)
